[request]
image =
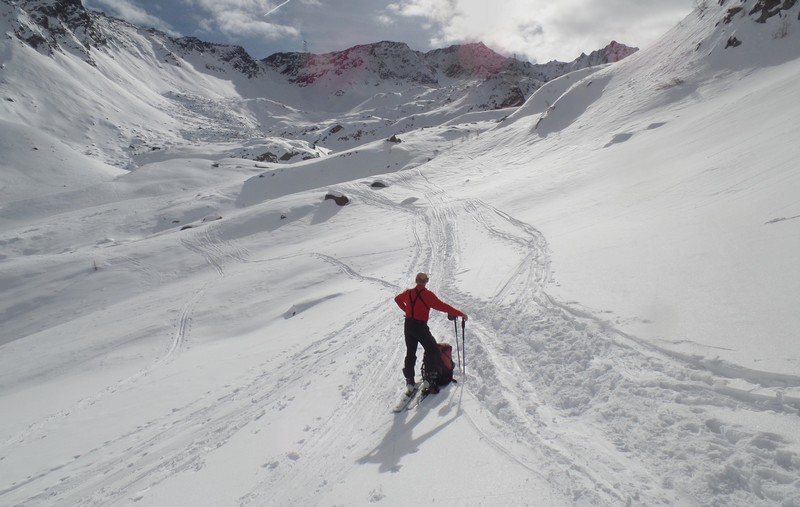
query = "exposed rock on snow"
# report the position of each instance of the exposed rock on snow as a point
(338, 198)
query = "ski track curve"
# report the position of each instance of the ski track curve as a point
(567, 380)
(605, 418)
(287, 483)
(516, 295)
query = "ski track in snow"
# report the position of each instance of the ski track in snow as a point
(532, 363)
(637, 399)
(178, 339)
(544, 385)
(536, 363)
(181, 440)
(217, 254)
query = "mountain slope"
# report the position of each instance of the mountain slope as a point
(148, 91)
(677, 296)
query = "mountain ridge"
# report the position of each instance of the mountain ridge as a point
(204, 92)
(66, 24)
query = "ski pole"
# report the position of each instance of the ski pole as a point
(464, 347)
(455, 330)
(458, 349)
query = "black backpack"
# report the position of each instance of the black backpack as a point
(440, 373)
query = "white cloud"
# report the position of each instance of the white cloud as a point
(240, 19)
(543, 29)
(243, 24)
(437, 10)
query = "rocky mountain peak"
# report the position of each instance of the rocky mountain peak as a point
(48, 25)
(616, 51)
(612, 53)
(474, 59)
(382, 60)
(396, 61)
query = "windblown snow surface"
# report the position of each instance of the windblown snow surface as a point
(208, 330)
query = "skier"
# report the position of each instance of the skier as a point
(416, 303)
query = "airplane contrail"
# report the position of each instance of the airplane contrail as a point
(278, 7)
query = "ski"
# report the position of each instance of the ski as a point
(412, 406)
(405, 402)
(422, 396)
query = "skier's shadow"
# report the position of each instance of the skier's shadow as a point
(399, 441)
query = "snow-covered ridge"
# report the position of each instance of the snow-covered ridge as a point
(396, 61)
(52, 21)
(236, 56)
(54, 25)
(471, 74)
(147, 91)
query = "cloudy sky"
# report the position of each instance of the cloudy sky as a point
(535, 30)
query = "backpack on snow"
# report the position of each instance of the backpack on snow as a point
(443, 374)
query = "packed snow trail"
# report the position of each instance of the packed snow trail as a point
(557, 406)
(600, 413)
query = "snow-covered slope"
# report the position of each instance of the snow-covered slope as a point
(703, 197)
(210, 330)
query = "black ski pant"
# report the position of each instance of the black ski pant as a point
(418, 333)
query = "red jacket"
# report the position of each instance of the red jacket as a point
(423, 300)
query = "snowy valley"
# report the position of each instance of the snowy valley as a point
(185, 319)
